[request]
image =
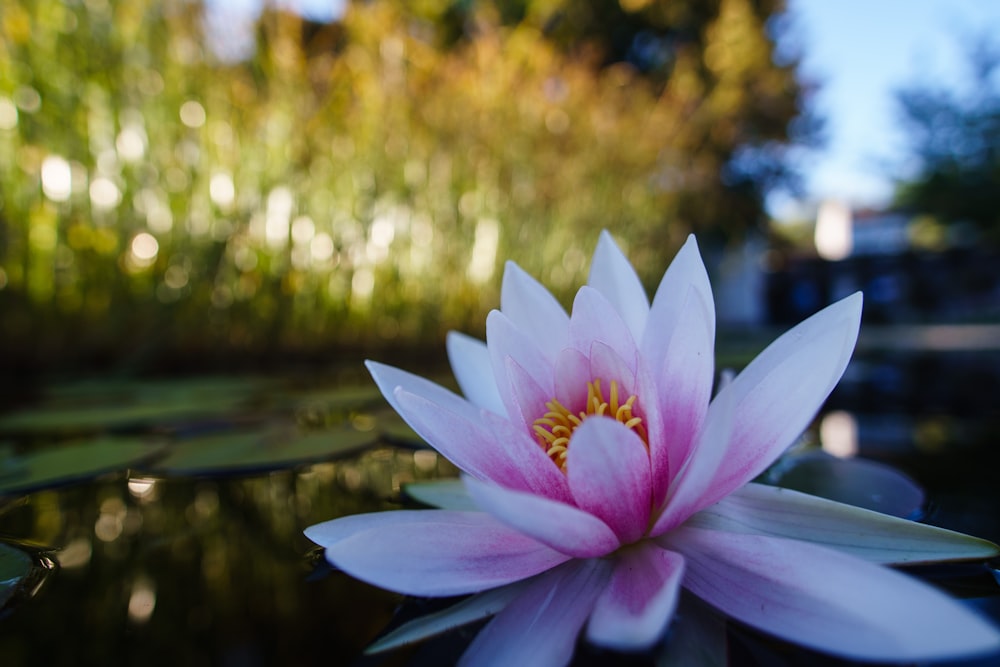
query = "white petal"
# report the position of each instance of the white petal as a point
(432, 552)
(389, 378)
(540, 627)
(462, 439)
(613, 276)
(562, 527)
(828, 600)
(880, 538)
(470, 362)
(693, 482)
(533, 310)
(636, 606)
(595, 321)
(781, 390)
(677, 352)
(608, 470)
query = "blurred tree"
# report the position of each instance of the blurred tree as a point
(955, 148)
(174, 186)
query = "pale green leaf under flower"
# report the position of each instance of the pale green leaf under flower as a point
(777, 512)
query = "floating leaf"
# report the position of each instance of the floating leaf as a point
(392, 427)
(271, 449)
(857, 482)
(15, 566)
(343, 398)
(71, 462)
(449, 494)
(92, 418)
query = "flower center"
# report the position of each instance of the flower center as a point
(554, 429)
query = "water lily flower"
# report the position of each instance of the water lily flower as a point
(600, 477)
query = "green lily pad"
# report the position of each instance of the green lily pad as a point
(251, 451)
(857, 482)
(95, 406)
(71, 462)
(15, 566)
(343, 398)
(448, 494)
(95, 418)
(392, 427)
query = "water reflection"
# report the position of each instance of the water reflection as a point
(157, 569)
(207, 571)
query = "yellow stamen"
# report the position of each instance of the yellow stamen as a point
(554, 429)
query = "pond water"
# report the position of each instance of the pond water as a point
(195, 554)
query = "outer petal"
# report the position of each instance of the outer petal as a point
(389, 379)
(612, 275)
(540, 627)
(769, 510)
(470, 362)
(677, 350)
(608, 470)
(432, 552)
(562, 527)
(828, 600)
(778, 394)
(461, 437)
(634, 609)
(533, 310)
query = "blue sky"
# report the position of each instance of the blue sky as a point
(861, 51)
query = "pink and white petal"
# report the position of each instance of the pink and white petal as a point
(828, 600)
(389, 378)
(328, 533)
(466, 442)
(779, 393)
(607, 466)
(433, 552)
(769, 510)
(471, 609)
(447, 421)
(638, 602)
(526, 394)
(490, 448)
(540, 627)
(607, 365)
(506, 341)
(595, 319)
(612, 275)
(539, 474)
(562, 527)
(470, 362)
(533, 310)
(572, 373)
(677, 351)
(692, 485)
